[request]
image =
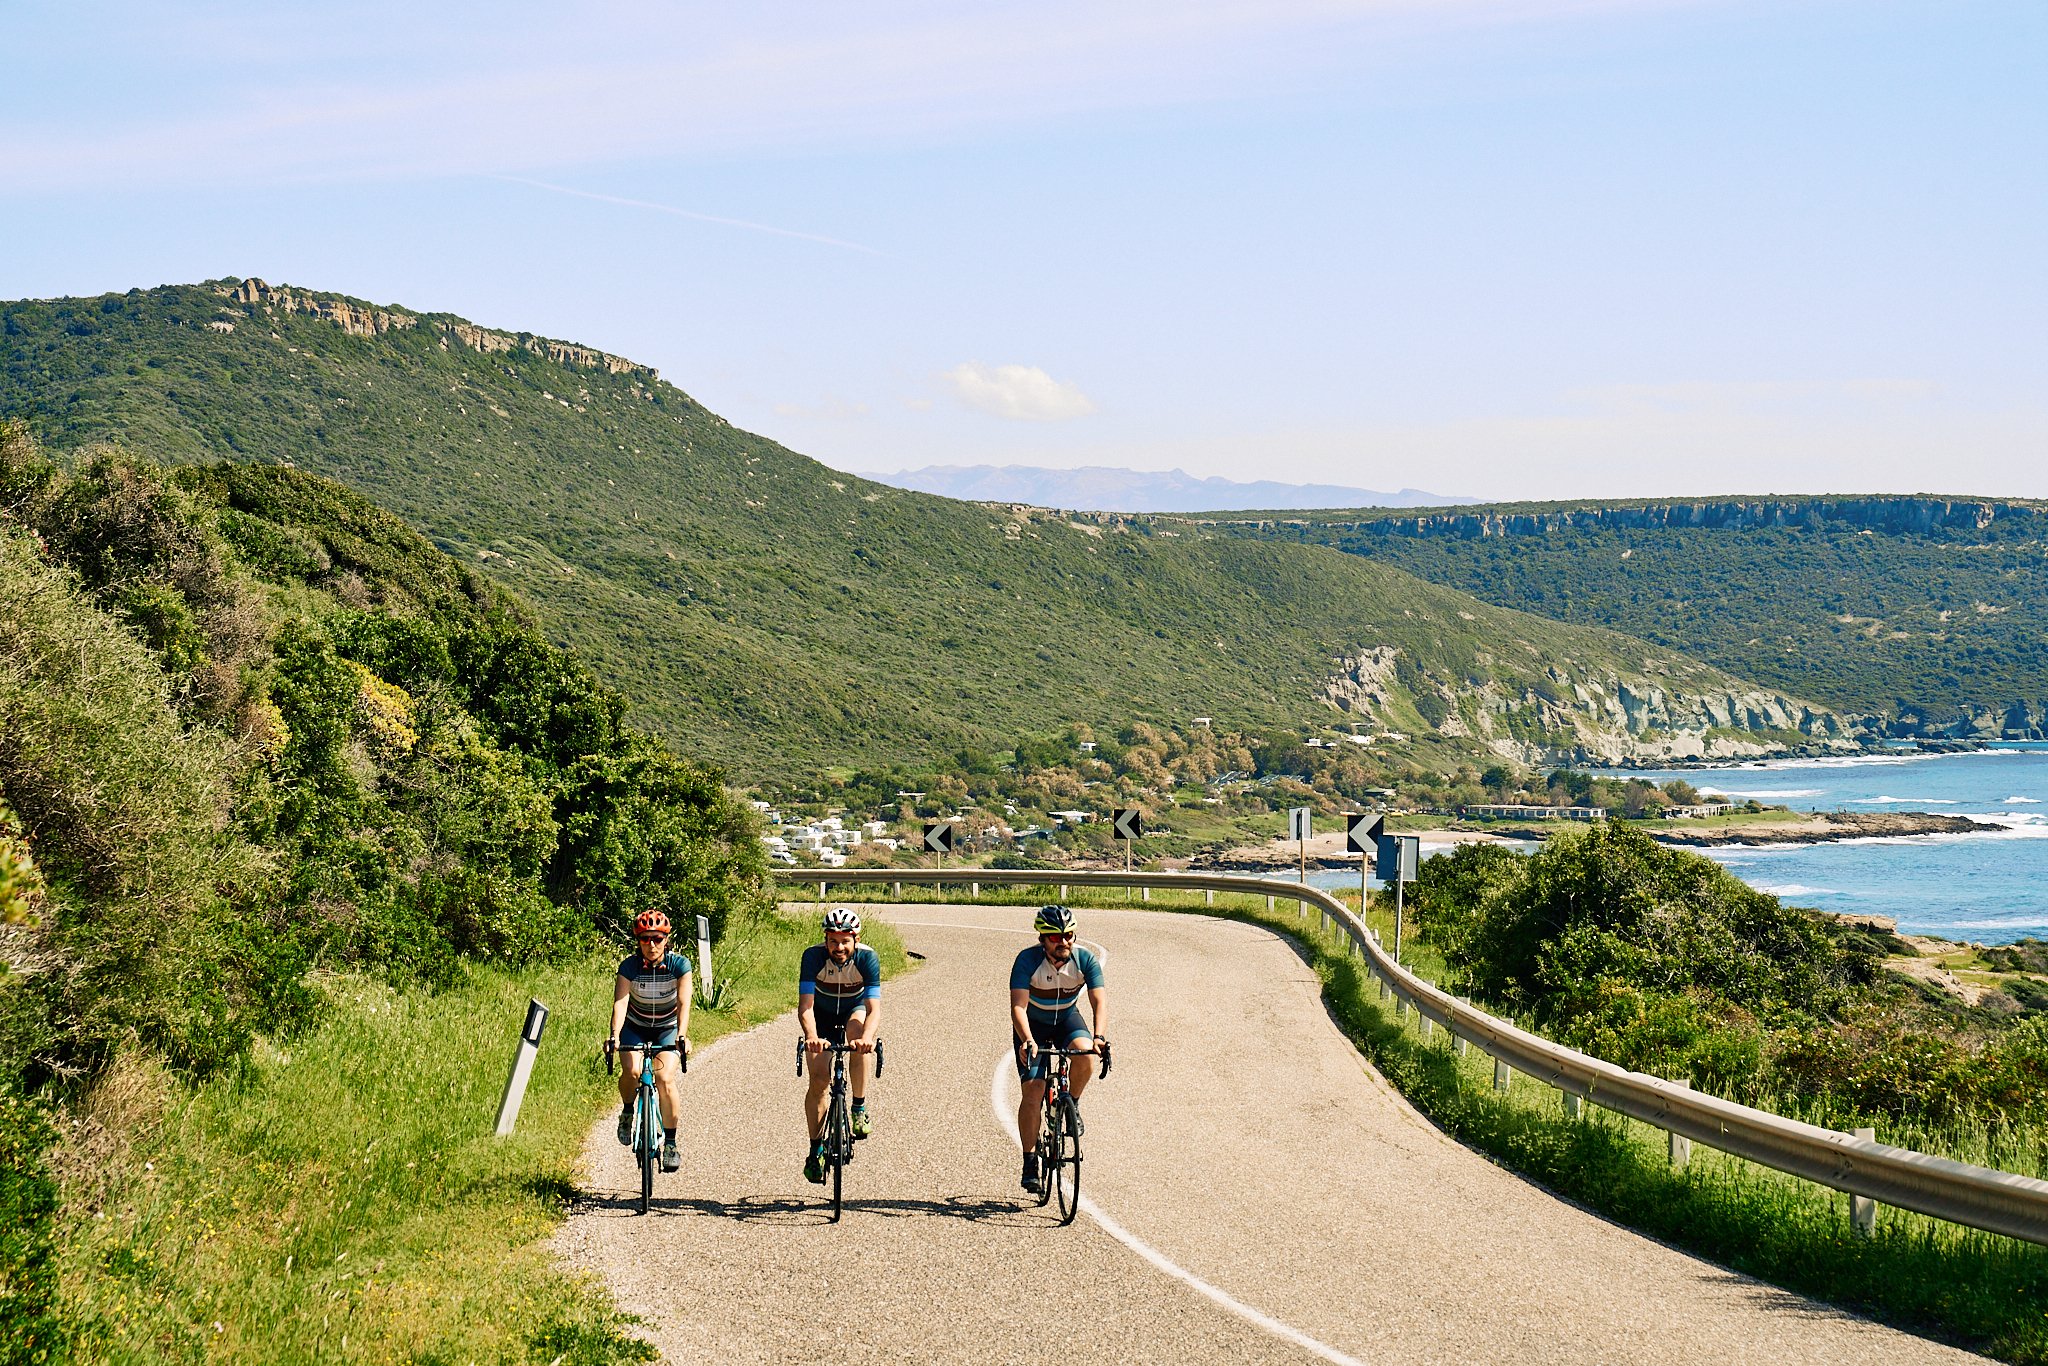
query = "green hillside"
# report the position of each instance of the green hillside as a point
(766, 612)
(1929, 613)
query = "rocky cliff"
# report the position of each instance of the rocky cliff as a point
(364, 320)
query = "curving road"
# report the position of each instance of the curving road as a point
(1256, 1193)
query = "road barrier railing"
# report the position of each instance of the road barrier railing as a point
(1940, 1187)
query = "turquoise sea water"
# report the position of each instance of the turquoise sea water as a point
(1991, 888)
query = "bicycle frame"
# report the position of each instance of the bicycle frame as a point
(1059, 1136)
(838, 1130)
(647, 1126)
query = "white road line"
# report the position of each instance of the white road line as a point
(998, 1102)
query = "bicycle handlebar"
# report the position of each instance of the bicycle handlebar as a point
(1100, 1050)
(612, 1048)
(803, 1046)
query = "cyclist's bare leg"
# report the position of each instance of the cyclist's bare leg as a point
(1079, 1072)
(818, 1076)
(668, 1084)
(858, 1064)
(629, 1074)
(1028, 1113)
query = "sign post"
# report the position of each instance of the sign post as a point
(704, 959)
(1129, 824)
(1300, 829)
(1361, 839)
(1399, 857)
(522, 1066)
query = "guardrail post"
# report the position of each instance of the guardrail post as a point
(821, 894)
(1400, 1007)
(1574, 1104)
(1502, 1075)
(1463, 1045)
(1209, 896)
(1269, 903)
(1063, 891)
(1681, 1147)
(1144, 894)
(1863, 1209)
(974, 891)
(896, 889)
(1428, 1025)
(1384, 988)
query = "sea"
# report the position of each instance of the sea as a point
(1987, 888)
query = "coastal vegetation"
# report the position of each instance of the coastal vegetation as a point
(255, 732)
(1878, 607)
(769, 614)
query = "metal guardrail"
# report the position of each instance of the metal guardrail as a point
(1978, 1197)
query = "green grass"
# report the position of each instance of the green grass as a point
(345, 1201)
(1978, 1290)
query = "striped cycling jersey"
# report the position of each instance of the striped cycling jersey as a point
(839, 988)
(654, 990)
(1055, 987)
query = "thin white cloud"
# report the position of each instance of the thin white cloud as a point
(1723, 396)
(688, 213)
(829, 409)
(1024, 393)
(410, 92)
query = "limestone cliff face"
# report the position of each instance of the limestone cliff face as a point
(1591, 715)
(363, 320)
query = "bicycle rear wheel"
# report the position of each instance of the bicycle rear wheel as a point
(650, 1150)
(838, 1147)
(1048, 1151)
(1067, 1180)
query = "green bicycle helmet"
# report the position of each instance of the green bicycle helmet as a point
(1054, 920)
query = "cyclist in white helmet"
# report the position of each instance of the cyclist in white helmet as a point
(838, 998)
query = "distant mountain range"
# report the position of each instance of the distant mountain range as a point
(1098, 488)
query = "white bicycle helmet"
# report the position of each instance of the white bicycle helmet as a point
(843, 918)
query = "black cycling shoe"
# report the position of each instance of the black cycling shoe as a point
(671, 1159)
(1033, 1182)
(1074, 1117)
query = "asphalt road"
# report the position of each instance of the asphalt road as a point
(1256, 1193)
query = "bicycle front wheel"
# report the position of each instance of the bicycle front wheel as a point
(838, 1147)
(650, 1150)
(1048, 1151)
(1066, 1178)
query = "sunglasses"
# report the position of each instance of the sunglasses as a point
(651, 938)
(1066, 938)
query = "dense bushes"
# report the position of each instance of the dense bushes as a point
(1659, 960)
(250, 725)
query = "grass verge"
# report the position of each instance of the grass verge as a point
(1977, 1290)
(344, 1200)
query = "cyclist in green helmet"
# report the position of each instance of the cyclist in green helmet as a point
(1046, 983)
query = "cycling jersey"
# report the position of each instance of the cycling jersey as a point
(654, 991)
(839, 989)
(1055, 987)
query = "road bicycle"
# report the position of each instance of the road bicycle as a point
(1059, 1131)
(647, 1110)
(838, 1131)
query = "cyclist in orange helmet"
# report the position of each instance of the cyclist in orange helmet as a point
(651, 1009)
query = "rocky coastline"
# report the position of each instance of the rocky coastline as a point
(1327, 852)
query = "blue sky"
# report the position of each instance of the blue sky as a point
(1546, 248)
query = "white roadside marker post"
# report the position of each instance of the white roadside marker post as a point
(704, 959)
(522, 1066)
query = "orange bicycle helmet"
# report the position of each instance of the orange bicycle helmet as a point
(650, 923)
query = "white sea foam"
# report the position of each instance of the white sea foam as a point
(1901, 801)
(2022, 801)
(1798, 889)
